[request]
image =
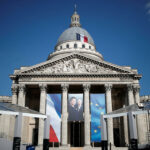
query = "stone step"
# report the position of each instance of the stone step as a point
(76, 148)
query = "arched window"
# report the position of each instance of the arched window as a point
(83, 46)
(75, 45)
(67, 46)
(89, 47)
(60, 47)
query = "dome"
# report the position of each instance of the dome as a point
(70, 35)
(75, 39)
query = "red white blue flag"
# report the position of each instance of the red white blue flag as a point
(53, 109)
(81, 37)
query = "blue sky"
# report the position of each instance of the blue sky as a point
(29, 30)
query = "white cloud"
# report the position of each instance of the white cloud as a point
(148, 5)
(148, 12)
(148, 8)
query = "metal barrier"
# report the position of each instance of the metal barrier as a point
(5, 144)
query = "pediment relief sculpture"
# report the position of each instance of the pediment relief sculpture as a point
(75, 66)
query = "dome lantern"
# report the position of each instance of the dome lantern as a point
(75, 18)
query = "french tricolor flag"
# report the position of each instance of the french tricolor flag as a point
(81, 37)
(55, 119)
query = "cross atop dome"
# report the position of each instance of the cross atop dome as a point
(75, 8)
(75, 18)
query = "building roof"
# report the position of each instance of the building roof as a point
(125, 109)
(8, 108)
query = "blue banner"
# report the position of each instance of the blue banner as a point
(98, 107)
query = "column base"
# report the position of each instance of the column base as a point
(16, 143)
(87, 147)
(133, 144)
(65, 145)
(104, 145)
(46, 144)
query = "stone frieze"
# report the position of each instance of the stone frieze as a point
(74, 66)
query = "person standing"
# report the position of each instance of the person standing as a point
(72, 109)
(79, 110)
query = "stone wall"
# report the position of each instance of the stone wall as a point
(5, 99)
(145, 98)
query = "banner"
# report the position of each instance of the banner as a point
(98, 107)
(53, 109)
(75, 107)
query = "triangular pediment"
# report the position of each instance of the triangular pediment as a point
(75, 64)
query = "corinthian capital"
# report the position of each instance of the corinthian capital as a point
(14, 88)
(136, 88)
(130, 87)
(22, 87)
(43, 87)
(86, 87)
(64, 87)
(108, 87)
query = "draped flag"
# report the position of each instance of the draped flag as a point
(53, 109)
(97, 108)
(81, 37)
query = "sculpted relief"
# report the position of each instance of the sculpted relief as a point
(75, 66)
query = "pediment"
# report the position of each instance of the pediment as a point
(75, 64)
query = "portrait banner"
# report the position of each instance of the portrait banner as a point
(75, 107)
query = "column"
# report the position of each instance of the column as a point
(140, 119)
(64, 117)
(46, 133)
(43, 94)
(125, 121)
(104, 132)
(14, 93)
(21, 96)
(137, 95)
(133, 131)
(108, 88)
(17, 132)
(130, 94)
(87, 116)
(10, 119)
(126, 135)
(42, 109)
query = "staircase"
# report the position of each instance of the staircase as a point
(76, 148)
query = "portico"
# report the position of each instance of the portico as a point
(110, 89)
